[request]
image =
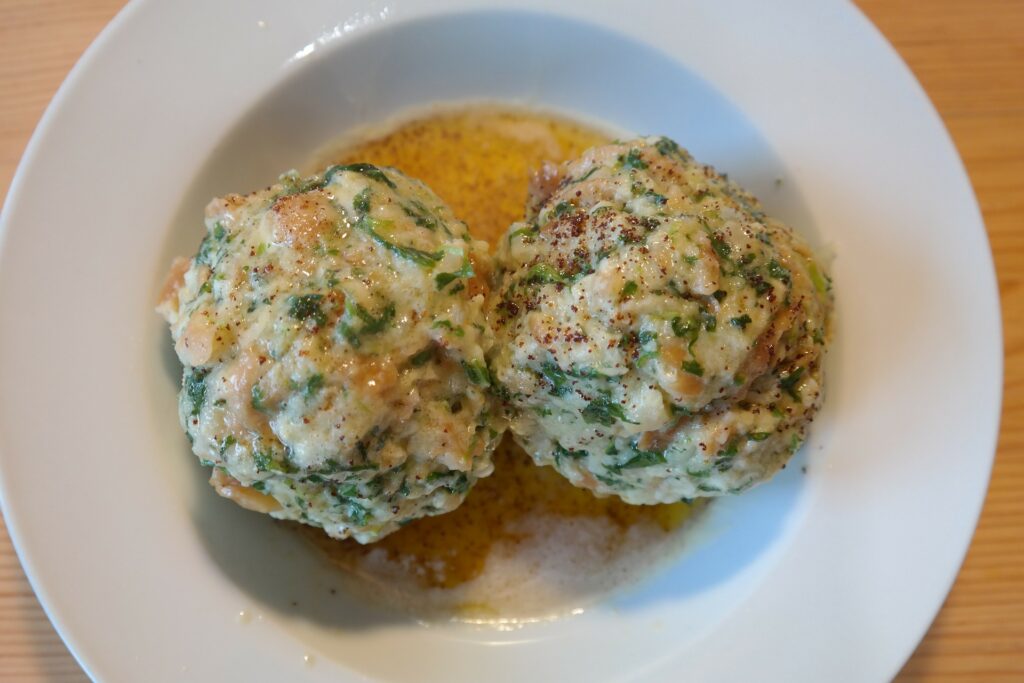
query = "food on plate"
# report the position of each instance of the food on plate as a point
(526, 544)
(658, 337)
(333, 339)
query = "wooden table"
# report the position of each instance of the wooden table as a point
(970, 57)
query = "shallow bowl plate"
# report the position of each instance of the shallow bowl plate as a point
(832, 572)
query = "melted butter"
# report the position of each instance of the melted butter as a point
(478, 159)
(526, 544)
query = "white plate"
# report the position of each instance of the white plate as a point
(832, 575)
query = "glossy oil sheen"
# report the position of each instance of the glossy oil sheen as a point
(526, 543)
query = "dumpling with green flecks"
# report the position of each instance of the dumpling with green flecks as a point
(658, 337)
(333, 341)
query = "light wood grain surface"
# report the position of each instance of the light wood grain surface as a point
(969, 55)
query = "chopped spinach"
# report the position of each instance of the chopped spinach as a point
(778, 271)
(604, 411)
(558, 379)
(420, 257)
(307, 306)
(257, 397)
(788, 382)
(667, 146)
(741, 321)
(355, 511)
(720, 247)
(658, 199)
(709, 320)
(313, 385)
(640, 458)
(585, 175)
(444, 279)
(477, 372)
(821, 282)
(228, 442)
(361, 202)
(632, 159)
(195, 389)
(424, 356)
(693, 367)
(543, 273)
(446, 324)
(371, 324)
(571, 453)
(424, 217)
(528, 232)
(561, 209)
(457, 482)
(266, 462)
(368, 170)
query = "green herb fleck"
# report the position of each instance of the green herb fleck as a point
(558, 379)
(667, 147)
(313, 385)
(307, 306)
(604, 411)
(788, 382)
(543, 273)
(371, 324)
(423, 217)
(420, 257)
(629, 289)
(741, 321)
(819, 281)
(528, 232)
(563, 452)
(477, 372)
(585, 175)
(356, 512)
(257, 397)
(561, 209)
(709, 320)
(721, 247)
(368, 170)
(693, 367)
(778, 271)
(688, 329)
(444, 279)
(446, 324)
(632, 159)
(423, 357)
(228, 442)
(361, 202)
(640, 459)
(195, 389)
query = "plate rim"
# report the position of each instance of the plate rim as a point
(112, 31)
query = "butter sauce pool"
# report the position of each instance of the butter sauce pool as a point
(526, 544)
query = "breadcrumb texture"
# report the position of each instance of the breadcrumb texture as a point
(333, 340)
(658, 336)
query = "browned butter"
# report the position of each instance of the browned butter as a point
(526, 544)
